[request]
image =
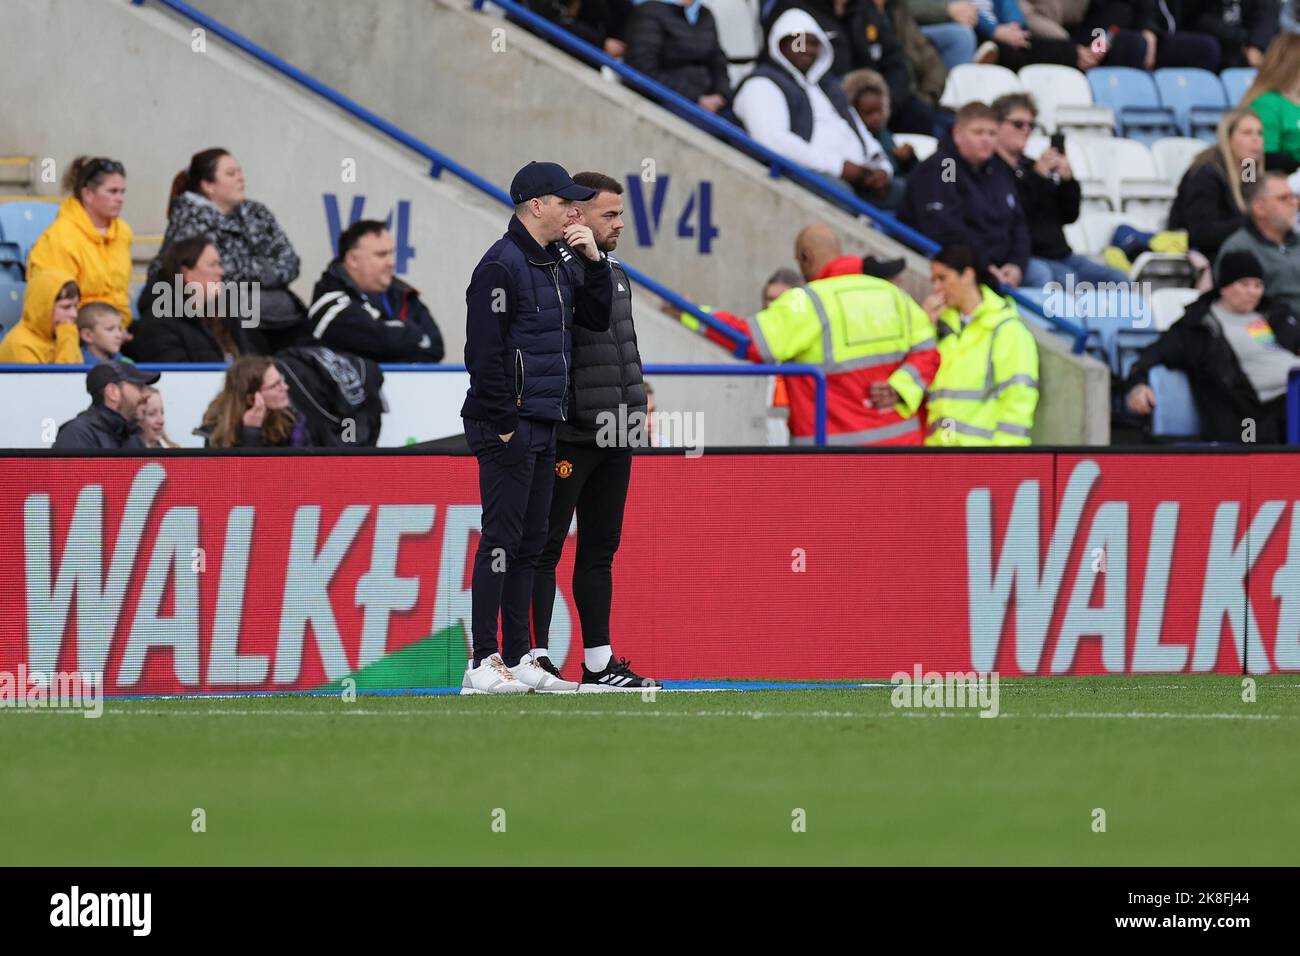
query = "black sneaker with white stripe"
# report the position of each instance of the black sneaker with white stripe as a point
(616, 676)
(546, 664)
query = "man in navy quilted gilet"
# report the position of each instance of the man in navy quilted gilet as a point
(522, 301)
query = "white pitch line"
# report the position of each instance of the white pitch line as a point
(750, 714)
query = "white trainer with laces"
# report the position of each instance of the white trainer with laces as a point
(529, 672)
(491, 677)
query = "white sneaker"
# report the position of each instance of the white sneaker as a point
(491, 677)
(529, 672)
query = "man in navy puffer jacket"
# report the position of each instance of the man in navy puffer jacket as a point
(522, 301)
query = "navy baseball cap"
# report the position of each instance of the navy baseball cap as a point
(546, 179)
(106, 373)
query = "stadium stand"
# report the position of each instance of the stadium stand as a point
(1161, 119)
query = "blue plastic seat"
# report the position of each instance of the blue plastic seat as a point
(1196, 97)
(1236, 81)
(11, 303)
(1133, 96)
(11, 262)
(23, 222)
(1175, 414)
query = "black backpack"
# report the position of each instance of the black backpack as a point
(334, 389)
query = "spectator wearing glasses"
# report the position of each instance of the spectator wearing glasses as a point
(88, 240)
(252, 410)
(1049, 195)
(1271, 237)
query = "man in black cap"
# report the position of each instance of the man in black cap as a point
(109, 422)
(523, 298)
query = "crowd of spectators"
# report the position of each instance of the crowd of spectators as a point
(834, 82)
(217, 292)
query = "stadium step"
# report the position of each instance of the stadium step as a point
(16, 176)
(144, 248)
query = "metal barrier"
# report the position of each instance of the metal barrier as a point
(810, 371)
(1293, 408)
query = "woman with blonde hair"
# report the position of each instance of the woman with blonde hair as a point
(153, 422)
(252, 410)
(1209, 204)
(1275, 98)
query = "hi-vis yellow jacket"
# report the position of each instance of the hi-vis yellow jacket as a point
(860, 330)
(987, 387)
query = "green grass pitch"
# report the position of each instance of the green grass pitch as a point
(1184, 770)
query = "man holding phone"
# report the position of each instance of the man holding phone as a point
(1049, 195)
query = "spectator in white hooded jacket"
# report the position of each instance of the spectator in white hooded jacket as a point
(793, 105)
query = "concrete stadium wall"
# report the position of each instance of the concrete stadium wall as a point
(493, 96)
(162, 96)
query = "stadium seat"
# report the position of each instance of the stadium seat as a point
(1236, 81)
(23, 222)
(739, 35)
(1094, 230)
(924, 146)
(1169, 304)
(1173, 155)
(1095, 193)
(969, 82)
(1147, 215)
(1175, 414)
(1064, 100)
(11, 303)
(1163, 270)
(1128, 170)
(11, 262)
(1133, 96)
(1196, 97)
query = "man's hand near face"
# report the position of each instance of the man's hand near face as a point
(580, 238)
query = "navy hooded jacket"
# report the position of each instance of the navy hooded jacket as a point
(521, 304)
(951, 201)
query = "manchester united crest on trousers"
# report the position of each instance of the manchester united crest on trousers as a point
(563, 468)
